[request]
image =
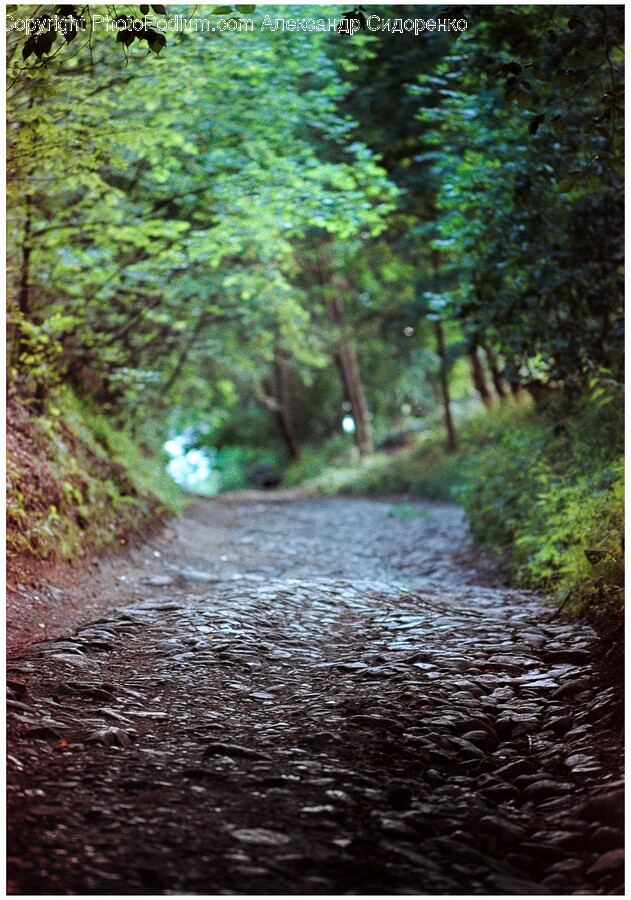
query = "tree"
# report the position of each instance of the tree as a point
(537, 251)
(154, 265)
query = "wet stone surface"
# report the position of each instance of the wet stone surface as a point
(334, 708)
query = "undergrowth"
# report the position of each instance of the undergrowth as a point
(76, 483)
(553, 497)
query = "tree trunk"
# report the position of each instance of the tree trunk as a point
(20, 345)
(452, 440)
(16, 335)
(496, 375)
(24, 293)
(351, 379)
(479, 377)
(513, 379)
(283, 399)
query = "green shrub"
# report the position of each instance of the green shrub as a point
(550, 495)
(237, 467)
(140, 455)
(499, 484)
(573, 541)
(336, 452)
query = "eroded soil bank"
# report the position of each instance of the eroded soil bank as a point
(306, 696)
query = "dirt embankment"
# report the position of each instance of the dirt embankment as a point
(67, 503)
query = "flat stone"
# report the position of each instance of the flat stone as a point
(507, 884)
(378, 722)
(110, 737)
(604, 838)
(572, 688)
(157, 580)
(42, 733)
(579, 760)
(73, 659)
(544, 788)
(216, 748)
(606, 808)
(264, 837)
(577, 657)
(609, 863)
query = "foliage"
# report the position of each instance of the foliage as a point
(550, 495)
(53, 28)
(526, 149)
(426, 471)
(335, 453)
(75, 482)
(138, 453)
(150, 292)
(572, 539)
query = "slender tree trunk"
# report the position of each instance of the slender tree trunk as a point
(479, 377)
(24, 305)
(351, 379)
(283, 399)
(496, 375)
(452, 440)
(24, 284)
(345, 354)
(19, 345)
(184, 353)
(24, 292)
(513, 380)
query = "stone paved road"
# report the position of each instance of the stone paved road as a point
(325, 704)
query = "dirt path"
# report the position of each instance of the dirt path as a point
(313, 697)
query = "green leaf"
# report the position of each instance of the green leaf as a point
(158, 44)
(125, 37)
(221, 11)
(523, 97)
(567, 184)
(574, 22)
(513, 67)
(246, 10)
(559, 127)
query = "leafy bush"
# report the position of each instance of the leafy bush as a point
(550, 495)
(140, 455)
(243, 467)
(500, 482)
(429, 472)
(337, 451)
(574, 538)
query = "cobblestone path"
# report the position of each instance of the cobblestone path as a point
(326, 703)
